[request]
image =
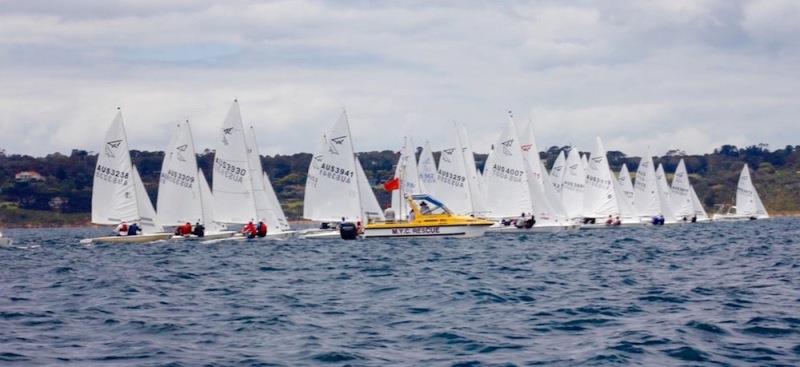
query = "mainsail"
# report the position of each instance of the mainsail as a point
(426, 167)
(557, 172)
(544, 199)
(179, 198)
(474, 183)
(332, 189)
(600, 197)
(118, 193)
(452, 187)
(625, 193)
(505, 177)
(645, 189)
(234, 201)
(748, 203)
(699, 211)
(664, 194)
(681, 193)
(574, 185)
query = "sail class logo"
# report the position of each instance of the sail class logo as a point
(182, 149)
(526, 147)
(447, 154)
(316, 161)
(226, 131)
(334, 142)
(110, 146)
(507, 146)
(595, 161)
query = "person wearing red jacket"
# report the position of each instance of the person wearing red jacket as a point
(185, 229)
(261, 229)
(249, 230)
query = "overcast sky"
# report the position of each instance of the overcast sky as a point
(684, 74)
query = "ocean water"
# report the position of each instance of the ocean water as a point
(706, 295)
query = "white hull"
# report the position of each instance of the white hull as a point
(609, 226)
(142, 238)
(321, 234)
(208, 236)
(5, 241)
(733, 218)
(543, 228)
(433, 231)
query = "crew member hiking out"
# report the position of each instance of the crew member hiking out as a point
(199, 230)
(249, 230)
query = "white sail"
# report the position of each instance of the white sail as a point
(699, 211)
(118, 193)
(283, 223)
(574, 185)
(147, 215)
(474, 183)
(267, 207)
(207, 201)
(331, 187)
(506, 178)
(451, 179)
(645, 189)
(427, 171)
(664, 195)
(406, 172)
(179, 199)
(627, 211)
(557, 172)
(113, 194)
(681, 193)
(748, 203)
(544, 199)
(233, 184)
(600, 198)
(371, 207)
(625, 184)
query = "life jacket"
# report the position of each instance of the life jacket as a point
(186, 229)
(261, 231)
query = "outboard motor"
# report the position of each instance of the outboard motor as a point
(348, 231)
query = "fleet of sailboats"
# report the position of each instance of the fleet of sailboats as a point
(514, 190)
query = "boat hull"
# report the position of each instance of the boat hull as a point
(388, 231)
(5, 241)
(142, 238)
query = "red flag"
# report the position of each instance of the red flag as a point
(391, 185)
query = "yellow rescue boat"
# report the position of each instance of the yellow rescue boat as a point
(428, 218)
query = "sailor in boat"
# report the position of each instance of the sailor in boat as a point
(359, 228)
(411, 215)
(685, 219)
(261, 229)
(134, 229)
(249, 230)
(199, 230)
(424, 208)
(658, 220)
(694, 219)
(122, 229)
(617, 221)
(184, 230)
(610, 220)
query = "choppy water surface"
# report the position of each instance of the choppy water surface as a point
(715, 294)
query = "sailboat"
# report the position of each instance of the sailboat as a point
(506, 178)
(118, 194)
(240, 194)
(624, 190)
(648, 197)
(546, 203)
(748, 203)
(665, 196)
(452, 182)
(473, 176)
(180, 190)
(682, 195)
(699, 210)
(600, 201)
